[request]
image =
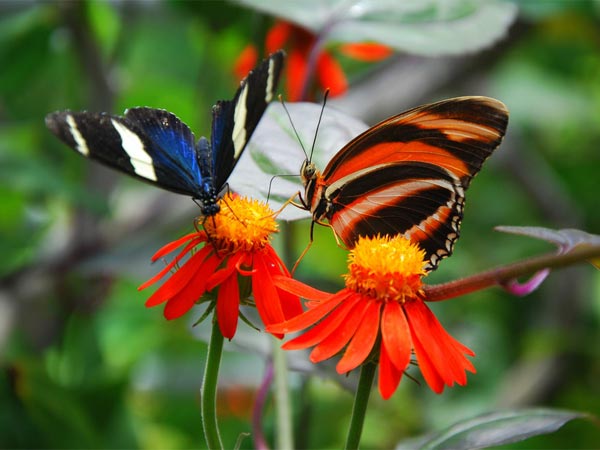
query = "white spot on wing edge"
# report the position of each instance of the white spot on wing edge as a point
(79, 140)
(134, 147)
(239, 123)
(270, 80)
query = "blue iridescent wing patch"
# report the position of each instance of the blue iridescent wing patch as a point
(155, 146)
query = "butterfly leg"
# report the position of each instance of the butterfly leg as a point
(305, 251)
(289, 201)
(339, 243)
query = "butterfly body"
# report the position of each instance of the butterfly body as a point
(155, 146)
(408, 174)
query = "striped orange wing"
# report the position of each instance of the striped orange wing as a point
(408, 174)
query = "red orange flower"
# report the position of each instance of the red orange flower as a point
(381, 312)
(235, 248)
(299, 44)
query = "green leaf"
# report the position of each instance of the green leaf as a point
(423, 27)
(496, 428)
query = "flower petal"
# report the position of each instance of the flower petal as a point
(366, 51)
(310, 317)
(265, 293)
(298, 288)
(245, 61)
(228, 305)
(290, 303)
(277, 36)
(168, 248)
(325, 327)
(335, 342)
(428, 369)
(331, 75)
(187, 297)
(223, 273)
(296, 75)
(175, 260)
(179, 280)
(245, 261)
(445, 353)
(364, 339)
(389, 375)
(395, 335)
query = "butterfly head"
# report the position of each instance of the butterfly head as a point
(208, 199)
(210, 209)
(308, 171)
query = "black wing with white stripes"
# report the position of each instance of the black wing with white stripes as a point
(157, 147)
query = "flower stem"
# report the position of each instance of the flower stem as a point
(209, 389)
(285, 439)
(359, 409)
(503, 274)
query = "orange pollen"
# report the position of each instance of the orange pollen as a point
(386, 268)
(242, 224)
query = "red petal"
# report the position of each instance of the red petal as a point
(265, 293)
(296, 75)
(228, 305)
(277, 36)
(366, 51)
(290, 303)
(310, 317)
(245, 62)
(169, 266)
(429, 371)
(187, 297)
(245, 261)
(389, 375)
(166, 249)
(179, 280)
(335, 342)
(363, 341)
(395, 334)
(325, 327)
(445, 353)
(331, 75)
(223, 273)
(298, 288)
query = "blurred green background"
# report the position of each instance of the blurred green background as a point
(84, 364)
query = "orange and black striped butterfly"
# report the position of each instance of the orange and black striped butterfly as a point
(408, 174)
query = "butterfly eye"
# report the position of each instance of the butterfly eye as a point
(307, 171)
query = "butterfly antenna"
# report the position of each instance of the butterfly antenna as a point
(285, 175)
(312, 148)
(292, 124)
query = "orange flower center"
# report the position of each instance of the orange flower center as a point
(386, 268)
(242, 224)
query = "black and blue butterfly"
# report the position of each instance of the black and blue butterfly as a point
(157, 147)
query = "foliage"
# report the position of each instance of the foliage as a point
(84, 364)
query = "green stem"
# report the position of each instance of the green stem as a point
(209, 389)
(285, 437)
(359, 409)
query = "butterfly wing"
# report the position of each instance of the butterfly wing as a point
(408, 174)
(234, 121)
(146, 143)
